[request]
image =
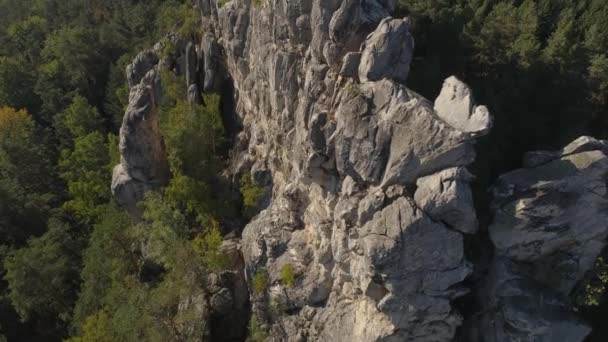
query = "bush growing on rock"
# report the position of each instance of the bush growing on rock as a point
(256, 332)
(221, 3)
(208, 247)
(260, 281)
(288, 276)
(251, 194)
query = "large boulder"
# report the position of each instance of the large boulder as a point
(446, 197)
(554, 216)
(550, 225)
(456, 105)
(388, 134)
(387, 52)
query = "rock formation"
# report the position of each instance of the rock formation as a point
(370, 192)
(143, 163)
(550, 225)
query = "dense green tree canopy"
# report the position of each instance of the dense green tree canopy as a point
(62, 96)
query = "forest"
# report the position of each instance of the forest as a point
(69, 269)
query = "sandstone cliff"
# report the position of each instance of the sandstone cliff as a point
(370, 193)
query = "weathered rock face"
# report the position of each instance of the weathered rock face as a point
(387, 52)
(550, 225)
(220, 308)
(143, 163)
(370, 194)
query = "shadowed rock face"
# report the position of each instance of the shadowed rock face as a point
(550, 224)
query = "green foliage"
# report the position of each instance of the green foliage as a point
(42, 277)
(16, 83)
(107, 262)
(86, 160)
(112, 280)
(251, 193)
(287, 276)
(598, 73)
(194, 134)
(96, 328)
(113, 150)
(81, 118)
(181, 19)
(64, 62)
(221, 3)
(508, 34)
(86, 172)
(563, 44)
(526, 46)
(71, 62)
(256, 332)
(168, 48)
(117, 92)
(25, 170)
(194, 137)
(260, 281)
(595, 286)
(191, 196)
(498, 32)
(208, 248)
(25, 38)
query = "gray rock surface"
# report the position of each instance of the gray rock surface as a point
(387, 52)
(320, 89)
(191, 64)
(550, 225)
(143, 62)
(446, 196)
(143, 163)
(456, 105)
(368, 196)
(519, 308)
(536, 158)
(211, 62)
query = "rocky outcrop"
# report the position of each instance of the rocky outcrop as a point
(446, 196)
(143, 163)
(370, 192)
(369, 199)
(387, 52)
(550, 225)
(218, 309)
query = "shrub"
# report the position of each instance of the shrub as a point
(181, 19)
(256, 332)
(97, 328)
(594, 285)
(221, 3)
(287, 276)
(209, 248)
(251, 192)
(260, 281)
